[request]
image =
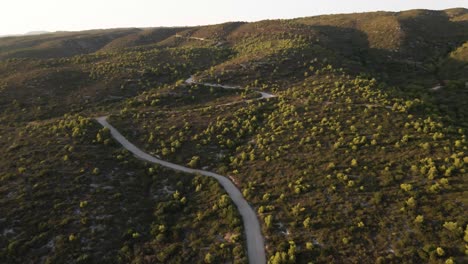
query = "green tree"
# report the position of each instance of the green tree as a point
(194, 161)
(209, 258)
(268, 221)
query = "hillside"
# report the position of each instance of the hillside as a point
(345, 133)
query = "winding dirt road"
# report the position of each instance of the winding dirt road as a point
(253, 231)
(255, 243)
(265, 95)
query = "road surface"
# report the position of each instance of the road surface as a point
(265, 95)
(253, 233)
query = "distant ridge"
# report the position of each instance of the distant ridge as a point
(30, 33)
(36, 33)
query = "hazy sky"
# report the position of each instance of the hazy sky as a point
(20, 16)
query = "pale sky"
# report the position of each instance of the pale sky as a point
(21, 16)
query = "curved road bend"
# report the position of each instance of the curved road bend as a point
(255, 242)
(265, 95)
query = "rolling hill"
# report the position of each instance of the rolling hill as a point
(345, 133)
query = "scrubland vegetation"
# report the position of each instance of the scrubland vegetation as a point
(361, 157)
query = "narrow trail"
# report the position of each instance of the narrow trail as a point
(218, 43)
(201, 39)
(252, 227)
